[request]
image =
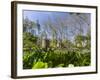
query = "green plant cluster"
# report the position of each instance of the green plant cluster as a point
(51, 58)
(35, 57)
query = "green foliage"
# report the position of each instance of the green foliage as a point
(50, 58)
(69, 55)
(39, 65)
(29, 41)
(60, 65)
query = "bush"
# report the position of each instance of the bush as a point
(51, 58)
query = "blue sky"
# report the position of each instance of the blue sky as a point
(43, 17)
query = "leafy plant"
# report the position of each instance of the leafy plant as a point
(39, 65)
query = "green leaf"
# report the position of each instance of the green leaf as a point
(39, 65)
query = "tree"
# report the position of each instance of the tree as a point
(51, 30)
(80, 19)
(29, 41)
(28, 25)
